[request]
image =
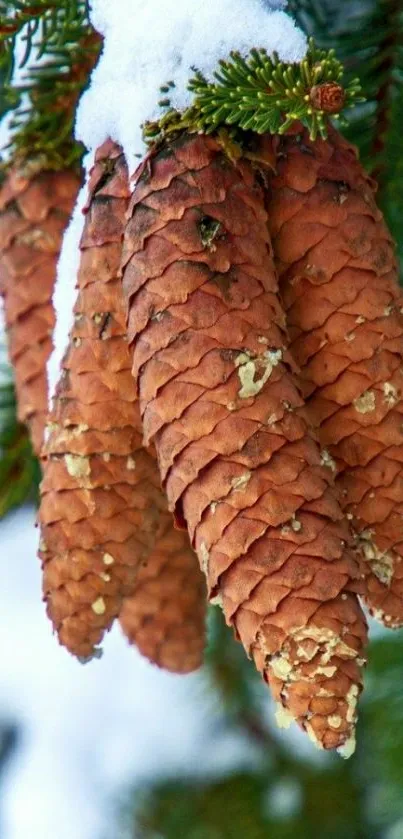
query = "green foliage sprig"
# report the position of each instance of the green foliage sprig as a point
(262, 94)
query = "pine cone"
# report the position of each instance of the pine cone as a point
(340, 290)
(102, 505)
(239, 465)
(35, 207)
(165, 616)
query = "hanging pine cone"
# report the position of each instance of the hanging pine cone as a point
(35, 207)
(102, 506)
(338, 279)
(165, 615)
(36, 200)
(239, 465)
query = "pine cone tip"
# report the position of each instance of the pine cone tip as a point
(316, 680)
(86, 659)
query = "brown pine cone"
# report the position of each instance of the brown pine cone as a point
(102, 507)
(99, 510)
(165, 616)
(338, 280)
(35, 207)
(218, 398)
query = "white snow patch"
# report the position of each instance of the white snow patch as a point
(149, 44)
(64, 294)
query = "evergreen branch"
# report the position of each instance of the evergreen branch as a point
(58, 20)
(67, 48)
(369, 40)
(46, 130)
(262, 94)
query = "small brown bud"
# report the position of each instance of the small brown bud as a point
(328, 97)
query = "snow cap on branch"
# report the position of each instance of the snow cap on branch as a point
(148, 44)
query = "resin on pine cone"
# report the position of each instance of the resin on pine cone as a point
(35, 208)
(338, 279)
(102, 507)
(219, 401)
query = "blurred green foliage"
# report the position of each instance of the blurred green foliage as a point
(19, 468)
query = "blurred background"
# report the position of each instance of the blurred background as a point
(118, 750)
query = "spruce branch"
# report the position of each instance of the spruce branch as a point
(66, 48)
(58, 20)
(262, 94)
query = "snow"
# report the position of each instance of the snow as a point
(150, 43)
(89, 731)
(64, 294)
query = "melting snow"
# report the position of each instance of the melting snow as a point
(150, 43)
